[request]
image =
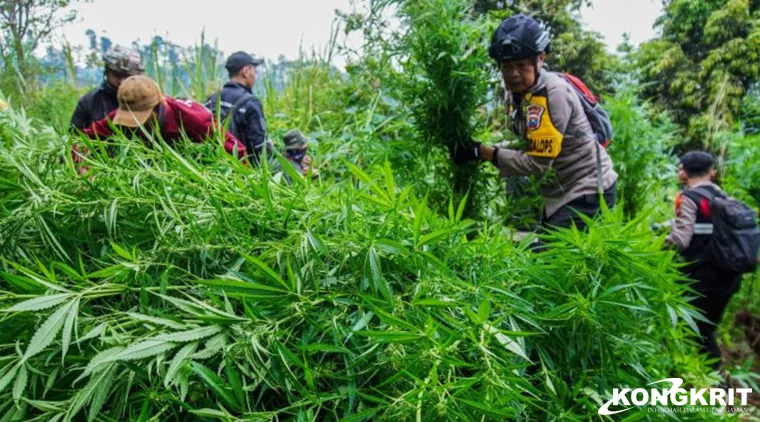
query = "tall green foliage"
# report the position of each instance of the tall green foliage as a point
(25, 25)
(702, 65)
(179, 284)
(741, 170)
(179, 289)
(444, 76)
(641, 152)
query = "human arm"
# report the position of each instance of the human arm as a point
(255, 128)
(546, 122)
(98, 129)
(81, 117)
(682, 227)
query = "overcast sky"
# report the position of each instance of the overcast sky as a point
(269, 28)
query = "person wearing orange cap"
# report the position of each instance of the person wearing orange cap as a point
(143, 105)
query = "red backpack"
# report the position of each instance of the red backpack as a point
(596, 115)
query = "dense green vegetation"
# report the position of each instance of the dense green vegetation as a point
(179, 284)
(701, 67)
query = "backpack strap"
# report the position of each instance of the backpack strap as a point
(696, 195)
(585, 94)
(703, 192)
(234, 107)
(210, 103)
(599, 181)
(242, 100)
(217, 99)
(581, 88)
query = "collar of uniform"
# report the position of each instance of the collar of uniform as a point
(706, 183)
(538, 86)
(231, 84)
(540, 82)
(108, 89)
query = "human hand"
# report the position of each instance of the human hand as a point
(465, 151)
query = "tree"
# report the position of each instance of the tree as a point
(26, 23)
(703, 64)
(105, 44)
(93, 39)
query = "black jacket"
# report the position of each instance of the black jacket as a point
(94, 106)
(248, 123)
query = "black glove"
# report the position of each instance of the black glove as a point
(656, 227)
(465, 151)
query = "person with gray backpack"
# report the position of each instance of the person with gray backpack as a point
(717, 237)
(564, 128)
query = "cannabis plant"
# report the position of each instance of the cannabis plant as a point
(178, 284)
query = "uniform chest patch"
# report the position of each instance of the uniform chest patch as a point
(533, 114)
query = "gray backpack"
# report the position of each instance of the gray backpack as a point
(735, 238)
(596, 115)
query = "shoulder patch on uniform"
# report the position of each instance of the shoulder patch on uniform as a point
(534, 112)
(678, 203)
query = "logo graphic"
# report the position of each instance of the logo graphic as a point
(534, 113)
(673, 396)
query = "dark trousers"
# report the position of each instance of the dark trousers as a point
(715, 288)
(588, 205)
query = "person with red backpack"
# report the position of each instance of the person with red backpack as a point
(144, 112)
(565, 129)
(717, 237)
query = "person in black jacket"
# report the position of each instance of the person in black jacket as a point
(239, 109)
(120, 63)
(690, 233)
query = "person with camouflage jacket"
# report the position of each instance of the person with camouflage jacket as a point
(120, 63)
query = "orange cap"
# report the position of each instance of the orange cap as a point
(138, 95)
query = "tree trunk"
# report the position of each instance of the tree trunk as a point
(18, 48)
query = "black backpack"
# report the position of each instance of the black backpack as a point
(735, 238)
(225, 111)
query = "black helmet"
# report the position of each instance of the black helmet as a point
(519, 37)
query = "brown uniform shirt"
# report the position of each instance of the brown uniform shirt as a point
(560, 139)
(682, 227)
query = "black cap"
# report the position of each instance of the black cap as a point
(239, 60)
